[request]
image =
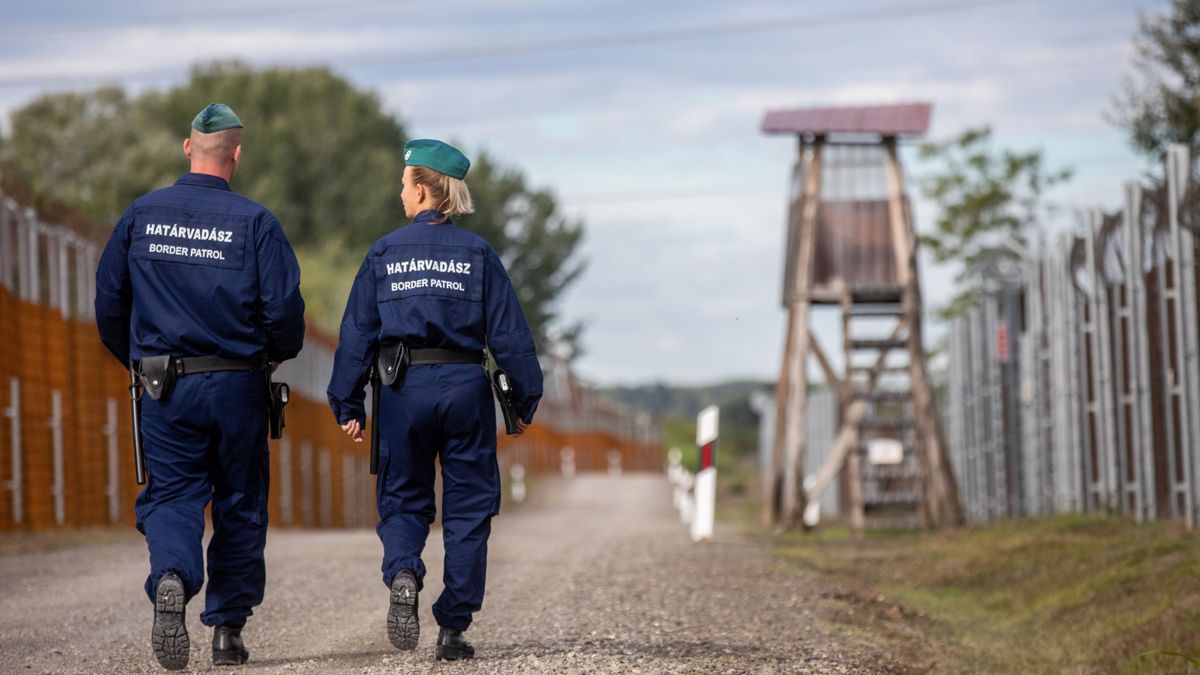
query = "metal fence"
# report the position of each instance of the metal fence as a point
(1075, 385)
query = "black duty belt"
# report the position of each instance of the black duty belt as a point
(190, 365)
(158, 373)
(427, 357)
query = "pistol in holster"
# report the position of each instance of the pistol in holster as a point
(504, 395)
(279, 393)
(389, 369)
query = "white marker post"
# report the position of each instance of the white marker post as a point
(675, 477)
(567, 455)
(706, 478)
(518, 483)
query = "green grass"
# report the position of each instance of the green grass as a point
(1066, 594)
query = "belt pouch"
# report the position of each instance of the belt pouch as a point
(158, 375)
(392, 363)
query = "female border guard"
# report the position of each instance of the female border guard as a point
(443, 293)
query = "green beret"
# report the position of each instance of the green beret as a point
(216, 117)
(438, 156)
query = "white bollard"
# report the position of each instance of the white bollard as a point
(518, 483)
(675, 476)
(686, 503)
(567, 455)
(812, 510)
(706, 478)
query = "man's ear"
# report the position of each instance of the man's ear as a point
(237, 153)
(187, 147)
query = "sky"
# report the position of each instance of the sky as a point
(643, 119)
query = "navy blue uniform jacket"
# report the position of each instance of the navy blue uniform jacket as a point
(428, 285)
(196, 269)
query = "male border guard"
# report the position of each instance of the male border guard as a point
(431, 296)
(199, 287)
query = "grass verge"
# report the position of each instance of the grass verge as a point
(1064, 594)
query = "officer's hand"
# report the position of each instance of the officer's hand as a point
(354, 430)
(521, 427)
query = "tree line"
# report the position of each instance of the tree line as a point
(322, 154)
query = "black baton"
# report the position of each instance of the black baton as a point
(376, 385)
(135, 417)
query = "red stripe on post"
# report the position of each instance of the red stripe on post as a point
(706, 455)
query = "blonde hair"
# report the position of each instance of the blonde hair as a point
(450, 195)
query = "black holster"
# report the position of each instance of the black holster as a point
(279, 393)
(504, 394)
(392, 363)
(158, 375)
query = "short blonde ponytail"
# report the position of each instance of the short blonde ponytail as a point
(450, 195)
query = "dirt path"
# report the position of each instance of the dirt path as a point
(593, 575)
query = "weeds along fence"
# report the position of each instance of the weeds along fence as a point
(66, 456)
(1075, 387)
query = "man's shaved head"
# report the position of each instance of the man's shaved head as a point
(215, 153)
(217, 146)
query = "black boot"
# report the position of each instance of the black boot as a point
(452, 646)
(169, 635)
(228, 648)
(402, 624)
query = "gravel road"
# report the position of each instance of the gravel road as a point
(592, 575)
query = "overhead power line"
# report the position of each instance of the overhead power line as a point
(730, 190)
(211, 15)
(637, 38)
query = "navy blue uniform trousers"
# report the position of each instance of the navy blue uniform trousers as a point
(208, 441)
(443, 413)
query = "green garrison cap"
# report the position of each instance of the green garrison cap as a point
(438, 156)
(216, 117)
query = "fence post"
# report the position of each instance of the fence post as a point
(284, 480)
(13, 413)
(113, 490)
(57, 488)
(1184, 273)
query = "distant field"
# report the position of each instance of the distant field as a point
(1066, 594)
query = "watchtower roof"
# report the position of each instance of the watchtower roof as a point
(900, 119)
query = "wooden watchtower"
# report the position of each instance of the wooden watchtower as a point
(851, 247)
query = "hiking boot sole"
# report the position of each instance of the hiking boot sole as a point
(402, 624)
(169, 634)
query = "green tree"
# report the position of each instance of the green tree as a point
(535, 241)
(1160, 103)
(92, 152)
(323, 155)
(989, 203)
